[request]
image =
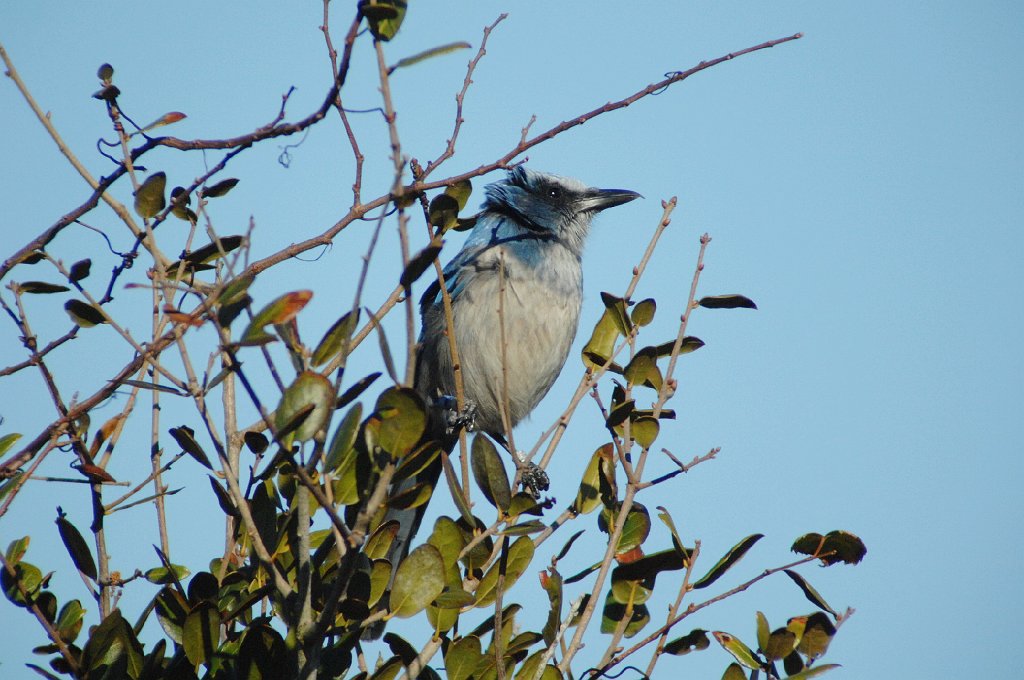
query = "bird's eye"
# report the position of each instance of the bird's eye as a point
(554, 192)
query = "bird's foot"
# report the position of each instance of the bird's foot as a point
(453, 418)
(535, 481)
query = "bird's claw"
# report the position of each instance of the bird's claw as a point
(535, 480)
(453, 418)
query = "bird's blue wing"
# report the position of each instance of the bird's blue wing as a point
(456, 276)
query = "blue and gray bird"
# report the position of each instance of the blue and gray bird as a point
(532, 229)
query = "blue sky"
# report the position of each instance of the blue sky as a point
(863, 185)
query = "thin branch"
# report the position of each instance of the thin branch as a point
(693, 608)
(460, 98)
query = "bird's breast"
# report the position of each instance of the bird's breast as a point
(537, 310)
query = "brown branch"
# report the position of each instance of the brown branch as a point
(693, 608)
(51, 632)
(460, 98)
(37, 355)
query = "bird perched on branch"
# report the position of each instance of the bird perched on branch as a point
(519, 274)
(532, 229)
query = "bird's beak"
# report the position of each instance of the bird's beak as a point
(600, 199)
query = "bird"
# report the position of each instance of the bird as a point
(532, 229)
(524, 258)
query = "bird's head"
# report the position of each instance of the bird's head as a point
(551, 205)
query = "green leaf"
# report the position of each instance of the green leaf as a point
(211, 251)
(728, 560)
(462, 657)
(108, 93)
(80, 270)
(643, 312)
(551, 582)
(817, 635)
(614, 612)
(21, 588)
(379, 542)
(186, 438)
(780, 643)
(427, 54)
(588, 497)
(666, 519)
(601, 344)
(649, 566)
(643, 369)
(16, 549)
(403, 420)
(520, 554)
(353, 392)
(478, 555)
(41, 288)
(568, 545)
(149, 198)
(69, 621)
(734, 672)
(171, 610)
(443, 212)
(309, 390)
(810, 593)
(7, 441)
(235, 291)
(262, 654)
(389, 670)
(203, 588)
(256, 442)
(617, 307)
(462, 189)
(76, 547)
(739, 651)
(835, 546)
(449, 541)
(112, 649)
(532, 526)
(201, 633)
(454, 599)
(763, 631)
(220, 188)
(466, 223)
(424, 456)
(695, 641)
(164, 575)
(689, 344)
(342, 447)
(727, 302)
(336, 340)
(489, 473)
(418, 581)
(523, 503)
(227, 506)
(384, 17)
(83, 314)
(644, 430)
(401, 648)
(813, 672)
(635, 592)
(634, 531)
(180, 201)
(166, 119)
(380, 578)
(279, 312)
(419, 263)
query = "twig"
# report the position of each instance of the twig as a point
(460, 98)
(693, 608)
